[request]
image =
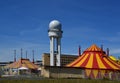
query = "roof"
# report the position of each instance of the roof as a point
(22, 63)
(94, 58)
(113, 58)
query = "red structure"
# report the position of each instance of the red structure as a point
(96, 64)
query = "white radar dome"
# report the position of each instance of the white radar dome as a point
(55, 24)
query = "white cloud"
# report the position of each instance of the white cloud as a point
(115, 51)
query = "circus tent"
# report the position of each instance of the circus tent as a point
(22, 66)
(96, 64)
(22, 63)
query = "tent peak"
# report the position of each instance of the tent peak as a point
(93, 47)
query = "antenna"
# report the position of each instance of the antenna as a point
(102, 47)
(14, 55)
(33, 55)
(26, 54)
(21, 53)
(79, 51)
(107, 51)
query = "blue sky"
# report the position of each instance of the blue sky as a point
(24, 24)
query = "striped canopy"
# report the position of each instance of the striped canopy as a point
(113, 58)
(22, 63)
(94, 58)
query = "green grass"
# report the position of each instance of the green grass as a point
(57, 81)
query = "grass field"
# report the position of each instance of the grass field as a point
(55, 81)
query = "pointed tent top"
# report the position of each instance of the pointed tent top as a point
(94, 58)
(94, 47)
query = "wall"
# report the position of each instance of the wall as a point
(62, 72)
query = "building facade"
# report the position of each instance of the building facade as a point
(65, 59)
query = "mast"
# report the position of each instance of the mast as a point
(79, 50)
(33, 55)
(14, 55)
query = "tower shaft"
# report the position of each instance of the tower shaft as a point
(51, 51)
(58, 52)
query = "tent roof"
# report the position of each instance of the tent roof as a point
(113, 58)
(22, 63)
(93, 48)
(95, 58)
(23, 68)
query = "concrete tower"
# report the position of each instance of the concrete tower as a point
(55, 34)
